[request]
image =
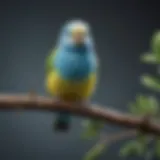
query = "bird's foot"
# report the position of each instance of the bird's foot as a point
(61, 126)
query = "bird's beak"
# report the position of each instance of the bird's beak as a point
(78, 36)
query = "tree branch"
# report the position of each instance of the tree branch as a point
(34, 102)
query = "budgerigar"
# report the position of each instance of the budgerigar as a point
(71, 68)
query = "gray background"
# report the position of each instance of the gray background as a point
(29, 29)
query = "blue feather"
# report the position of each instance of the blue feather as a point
(75, 63)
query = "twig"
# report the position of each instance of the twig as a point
(93, 111)
(111, 138)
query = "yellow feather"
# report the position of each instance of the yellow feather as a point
(69, 90)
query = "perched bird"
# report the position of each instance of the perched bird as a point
(71, 68)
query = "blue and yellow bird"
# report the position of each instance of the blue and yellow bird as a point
(71, 68)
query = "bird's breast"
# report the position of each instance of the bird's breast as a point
(74, 66)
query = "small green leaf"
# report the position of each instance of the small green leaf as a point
(95, 152)
(153, 105)
(92, 128)
(143, 140)
(141, 103)
(145, 105)
(132, 148)
(151, 82)
(149, 58)
(89, 134)
(155, 45)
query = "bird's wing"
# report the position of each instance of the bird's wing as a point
(49, 66)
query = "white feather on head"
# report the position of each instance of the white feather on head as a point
(77, 24)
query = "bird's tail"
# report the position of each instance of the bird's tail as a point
(62, 122)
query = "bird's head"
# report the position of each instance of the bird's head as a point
(76, 33)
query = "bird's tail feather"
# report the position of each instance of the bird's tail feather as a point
(62, 122)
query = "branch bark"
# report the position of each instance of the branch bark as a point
(34, 102)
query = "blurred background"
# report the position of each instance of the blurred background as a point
(29, 29)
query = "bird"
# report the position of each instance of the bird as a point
(71, 69)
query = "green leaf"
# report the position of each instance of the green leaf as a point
(142, 139)
(145, 106)
(89, 134)
(151, 82)
(149, 58)
(132, 148)
(142, 103)
(95, 152)
(153, 106)
(138, 106)
(92, 128)
(155, 45)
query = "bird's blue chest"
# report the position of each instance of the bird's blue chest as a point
(74, 66)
